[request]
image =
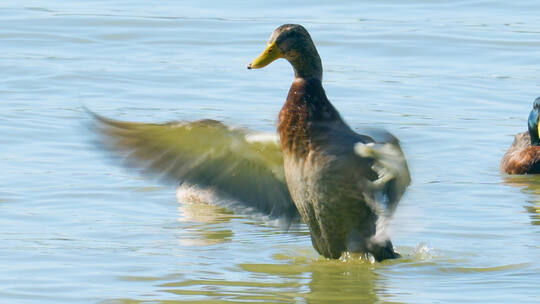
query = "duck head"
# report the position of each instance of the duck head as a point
(533, 123)
(292, 42)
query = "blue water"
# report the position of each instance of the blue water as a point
(453, 80)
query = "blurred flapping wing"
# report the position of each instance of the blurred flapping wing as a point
(241, 165)
(391, 167)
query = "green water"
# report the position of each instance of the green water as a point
(453, 80)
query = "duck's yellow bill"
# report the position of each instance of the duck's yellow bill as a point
(269, 54)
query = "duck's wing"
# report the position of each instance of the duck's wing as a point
(389, 162)
(244, 166)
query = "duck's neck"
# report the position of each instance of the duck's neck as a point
(305, 60)
(306, 69)
(535, 141)
(533, 127)
(305, 116)
(308, 94)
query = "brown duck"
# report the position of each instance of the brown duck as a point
(523, 156)
(343, 185)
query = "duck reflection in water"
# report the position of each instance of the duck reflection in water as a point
(299, 280)
(344, 281)
(202, 222)
(530, 185)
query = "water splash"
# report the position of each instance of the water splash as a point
(424, 252)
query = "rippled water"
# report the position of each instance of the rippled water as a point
(454, 80)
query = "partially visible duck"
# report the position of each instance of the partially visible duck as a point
(523, 156)
(343, 185)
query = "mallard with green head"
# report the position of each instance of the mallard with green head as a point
(523, 156)
(343, 185)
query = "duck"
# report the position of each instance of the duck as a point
(523, 155)
(343, 185)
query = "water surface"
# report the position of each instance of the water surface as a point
(453, 80)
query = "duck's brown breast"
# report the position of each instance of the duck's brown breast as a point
(521, 157)
(306, 118)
